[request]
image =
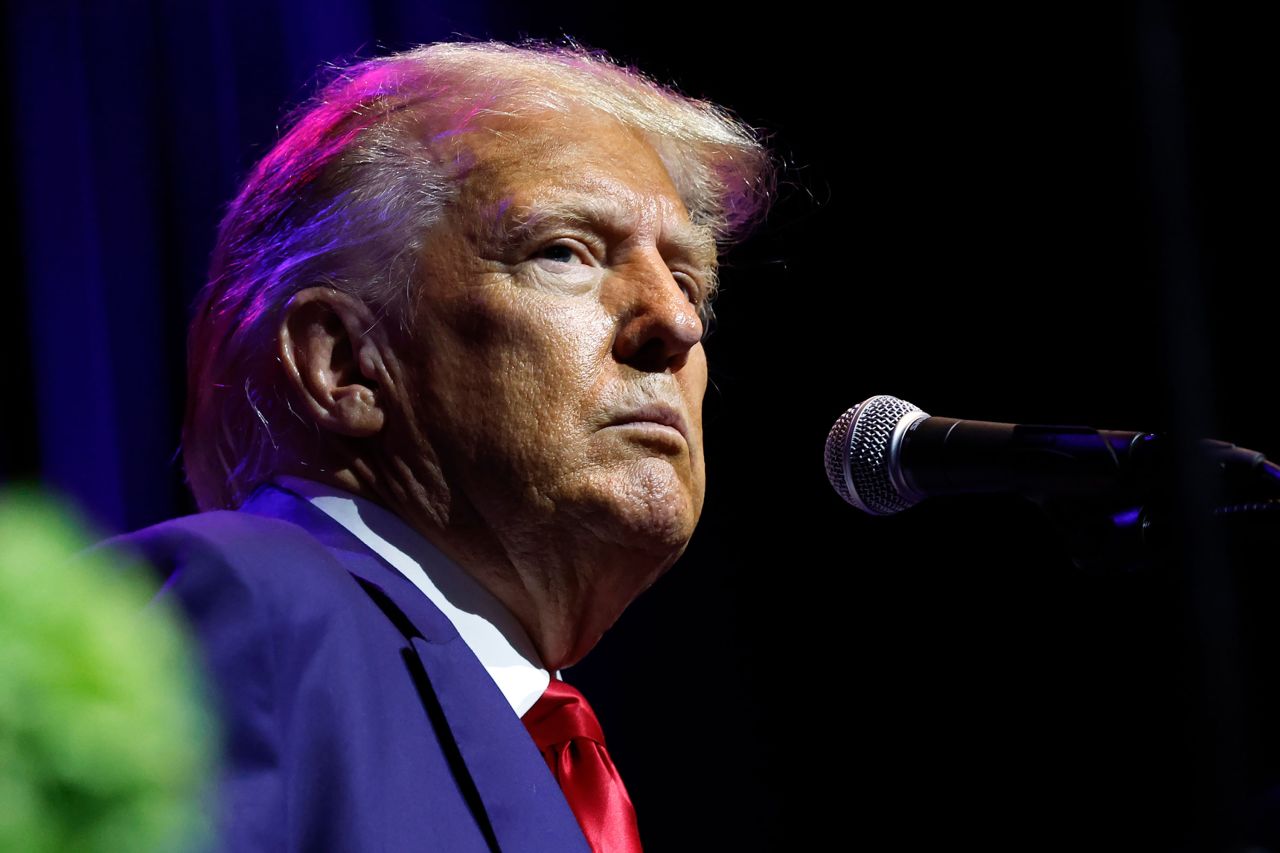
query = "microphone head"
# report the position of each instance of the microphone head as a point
(862, 455)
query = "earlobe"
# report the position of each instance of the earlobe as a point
(331, 365)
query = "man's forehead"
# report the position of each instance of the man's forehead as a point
(533, 172)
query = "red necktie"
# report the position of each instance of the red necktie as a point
(569, 736)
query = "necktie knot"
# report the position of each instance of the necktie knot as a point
(571, 741)
(560, 715)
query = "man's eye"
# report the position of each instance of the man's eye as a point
(689, 287)
(559, 252)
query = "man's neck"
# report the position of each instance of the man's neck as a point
(496, 637)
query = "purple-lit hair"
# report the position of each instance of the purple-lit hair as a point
(346, 198)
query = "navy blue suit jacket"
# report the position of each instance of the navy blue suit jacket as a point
(355, 717)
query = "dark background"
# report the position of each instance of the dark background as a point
(1053, 213)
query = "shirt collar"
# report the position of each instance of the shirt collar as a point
(484, 623)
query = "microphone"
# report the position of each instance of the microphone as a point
(1120, 499)
(885, 455)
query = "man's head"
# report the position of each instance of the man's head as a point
(472, 282)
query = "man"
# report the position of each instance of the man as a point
(448, 370)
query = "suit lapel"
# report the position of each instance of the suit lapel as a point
(522, 802)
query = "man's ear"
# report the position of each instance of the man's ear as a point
(332, 352)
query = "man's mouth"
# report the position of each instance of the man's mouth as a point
(658, 417)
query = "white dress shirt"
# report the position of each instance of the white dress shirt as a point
(483, 622)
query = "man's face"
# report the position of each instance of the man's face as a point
(557, 360)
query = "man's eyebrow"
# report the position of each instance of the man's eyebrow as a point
(515, 225)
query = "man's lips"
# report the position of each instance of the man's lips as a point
(658, 414)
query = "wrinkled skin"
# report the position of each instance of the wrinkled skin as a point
(541, 422)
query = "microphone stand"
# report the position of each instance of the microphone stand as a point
(1133, 523)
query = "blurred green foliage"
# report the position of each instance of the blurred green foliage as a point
(104, 743)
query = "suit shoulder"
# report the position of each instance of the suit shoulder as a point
(267, 555)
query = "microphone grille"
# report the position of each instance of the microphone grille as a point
(858, 454)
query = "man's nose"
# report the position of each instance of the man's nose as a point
(658, 324)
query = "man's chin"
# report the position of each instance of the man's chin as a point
(651, 509)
